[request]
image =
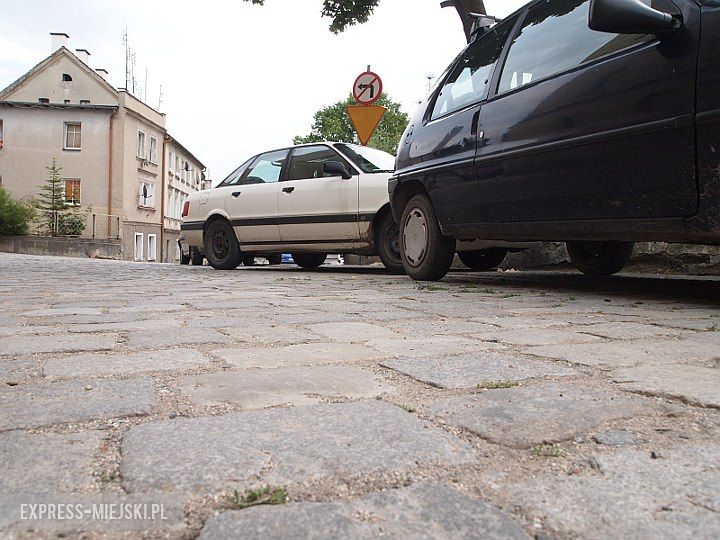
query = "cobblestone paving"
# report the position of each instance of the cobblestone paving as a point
(498, 405)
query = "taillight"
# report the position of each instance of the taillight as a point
(186, 209)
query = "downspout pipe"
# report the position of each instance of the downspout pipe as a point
(165, 179)
(110, 171)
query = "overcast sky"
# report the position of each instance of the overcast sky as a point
(239, 79)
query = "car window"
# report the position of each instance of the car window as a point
(266, 169)
(368, 160)
(237, 174)
(307, 162)
(555, 37)
(469, 80)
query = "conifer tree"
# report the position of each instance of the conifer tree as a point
(51, 200)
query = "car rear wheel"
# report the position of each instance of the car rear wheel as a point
(600, 258)
(388, 244)
(483, 259)
(248, 260)
(426, 253)
(221, 246)
(274, 260)
(309, 261)
(184, 259)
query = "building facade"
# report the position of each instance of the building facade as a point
(119, 164)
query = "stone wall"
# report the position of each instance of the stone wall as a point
(63, 246)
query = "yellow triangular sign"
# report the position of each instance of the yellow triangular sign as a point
(366, 119)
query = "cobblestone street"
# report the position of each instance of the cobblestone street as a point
(498, 405)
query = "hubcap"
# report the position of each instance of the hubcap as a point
(415, 237)
(221, 244)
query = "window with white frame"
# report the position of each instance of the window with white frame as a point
(153, 150)
(73, 136)
(141, 144)
(177, 165)
(152, 247)
(171, 161)
(138, 246)
(146, 194)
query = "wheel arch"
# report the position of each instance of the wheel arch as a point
(402, 195)
(377, 220)
(212, 219)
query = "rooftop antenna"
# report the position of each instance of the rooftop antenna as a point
(430, 78)
(160, 98)
(147, 76)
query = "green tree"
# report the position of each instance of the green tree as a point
(346, 13)
(333, 124)
(14, 216)
(51, 201)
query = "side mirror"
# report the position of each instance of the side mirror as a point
(630, 17)
(335, 168)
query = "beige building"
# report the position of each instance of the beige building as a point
(116, 155)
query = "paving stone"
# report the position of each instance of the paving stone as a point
(62, 311)
(80, 365)
(257, 389)
(615, 437)
(271, 335)
(305, 354)
(14, 370)
(441, 327)
(154, 339)
(430, 346)
(352, 331)
(625, 354)
(47, 462)
(283, 446)
(536, 336)
(23, 407)
(693, 384)
(418, 511)
(168, 325)
(676, 496)
(16, 345)
(471, 370)
(28, 330)
(104, 318)
(628, 330)
(521, 417)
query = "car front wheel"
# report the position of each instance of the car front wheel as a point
(426, 253)
(388, 245)
(309, 261)
(221, 246)
(483, 260)
(600, 258)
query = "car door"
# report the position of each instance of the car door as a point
(589, 125)
(444, 145)
(252, 202)
(313, 205)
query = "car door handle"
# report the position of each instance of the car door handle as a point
(237, 194)
(288, 189)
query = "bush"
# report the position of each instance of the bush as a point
(71, 224)
(14, 216)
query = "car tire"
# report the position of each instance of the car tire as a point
(309, 261)
(196, 257)
(274, 260)
(427, 254)
(483, 260)
(388, 244)
(248, 259)
(222, 250)
(600, 258)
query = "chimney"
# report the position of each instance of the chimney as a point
(84, 55)
(103, 73)
(57, 40)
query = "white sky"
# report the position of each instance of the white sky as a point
(239, 79)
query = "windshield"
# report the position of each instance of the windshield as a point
(368, 160)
